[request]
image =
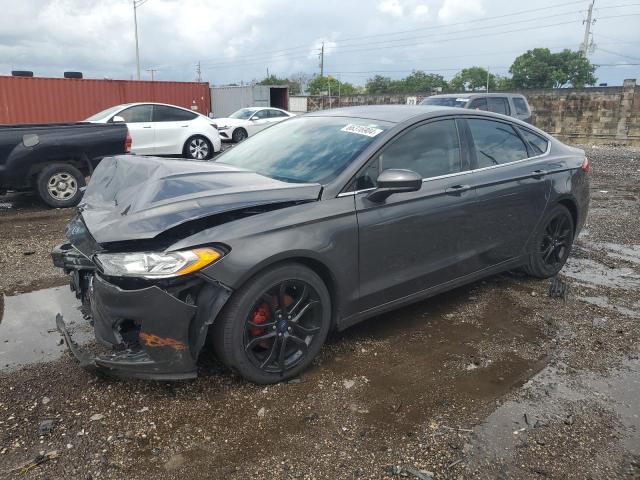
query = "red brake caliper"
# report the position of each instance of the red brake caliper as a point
(259, 316)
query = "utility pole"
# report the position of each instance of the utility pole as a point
(136, 5)
(584, 46)
(152, 71)
(487, 79)
(199, 72)
(322, 60)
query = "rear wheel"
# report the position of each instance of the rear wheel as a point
(275, 325)
(239, 134)
(59, 185)
(198, 148)
(551, 244)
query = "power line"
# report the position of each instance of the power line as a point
(618, 54)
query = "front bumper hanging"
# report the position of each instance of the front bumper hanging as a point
(153, 334)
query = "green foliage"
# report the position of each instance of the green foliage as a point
(472, 79)
(539, 68)
(329, 84)
(294, 86)
(418, 81)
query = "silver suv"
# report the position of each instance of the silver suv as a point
(511, 104)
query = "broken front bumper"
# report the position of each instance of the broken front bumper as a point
(154, 333)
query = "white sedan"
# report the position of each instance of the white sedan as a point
(160, 129)
(249, 121)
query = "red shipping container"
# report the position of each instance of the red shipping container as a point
(47, 100)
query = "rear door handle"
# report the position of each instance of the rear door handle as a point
(184, 126)
(539, 173)
(147, 126)
(457, 189)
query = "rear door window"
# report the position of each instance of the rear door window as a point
(163, 113)
(499, 105)
(478, 104)
(496, 142)
(521, 106)
(537, 143)
(137, 114)
(276, 114)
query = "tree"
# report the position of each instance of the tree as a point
(329, 84)
(503, 83)
(417, 82)
(539, 68)
(472, 78)
(294, 86)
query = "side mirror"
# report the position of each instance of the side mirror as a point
(395, 181)
(117, 119)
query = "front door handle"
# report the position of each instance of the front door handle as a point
(539, 173)
(457, 189)
(149, 126)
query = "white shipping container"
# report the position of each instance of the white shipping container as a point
(226, 100)
(298, 104)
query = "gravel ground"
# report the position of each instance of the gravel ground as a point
(492, 380)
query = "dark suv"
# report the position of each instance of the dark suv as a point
(511, 104)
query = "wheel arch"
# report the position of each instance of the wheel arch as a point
(310, 261)
(572, 206)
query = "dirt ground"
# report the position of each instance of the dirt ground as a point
(492, 380)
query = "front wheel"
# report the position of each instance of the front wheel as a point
(551, 244)
(198, 148)
(239, 134)
(275, 325)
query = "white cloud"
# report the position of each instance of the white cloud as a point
(421, 11)
(392, 7)
(460, 10)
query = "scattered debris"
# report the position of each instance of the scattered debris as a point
(29, 252)
(45, 400)
(46, 426)
(96, 417)
(453, 464)
(261, 412)
(420, 474)
(348, 383)
(174, 462)
(558, 288)
(143, 409)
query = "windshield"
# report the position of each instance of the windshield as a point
(445, 101)
(305, 149)
(104, 113)
(242, 114)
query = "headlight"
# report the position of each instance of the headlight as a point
(156, 264)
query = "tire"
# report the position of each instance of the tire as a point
(60, 185)
(249, 336)
(239, 134)
(198, 148)
(551, 244)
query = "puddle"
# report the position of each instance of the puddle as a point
(591, 272)
(604, 302)
(552, 397)
(27, 328)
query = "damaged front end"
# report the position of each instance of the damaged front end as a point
(150, 303)
(154, 328)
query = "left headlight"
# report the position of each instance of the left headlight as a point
(156, 264)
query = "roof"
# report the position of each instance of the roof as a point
(385, 113)
(473, 94)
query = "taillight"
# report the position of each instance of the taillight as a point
(127, 142)
(585, 165)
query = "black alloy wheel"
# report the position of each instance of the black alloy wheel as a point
(552, 243)
(273, 327)
(239, 134)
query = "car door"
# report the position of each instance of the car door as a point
(499, 105)
(171, 129)
(258, 121)
(413, 241)
(512, 189)
(138, 120)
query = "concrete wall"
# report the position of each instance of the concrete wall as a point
(590, 115)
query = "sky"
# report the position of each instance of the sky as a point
(240, 40)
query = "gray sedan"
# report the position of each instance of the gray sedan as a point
(314, 224)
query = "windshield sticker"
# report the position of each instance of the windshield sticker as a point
(361, 130)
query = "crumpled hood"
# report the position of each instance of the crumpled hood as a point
(131, 197)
